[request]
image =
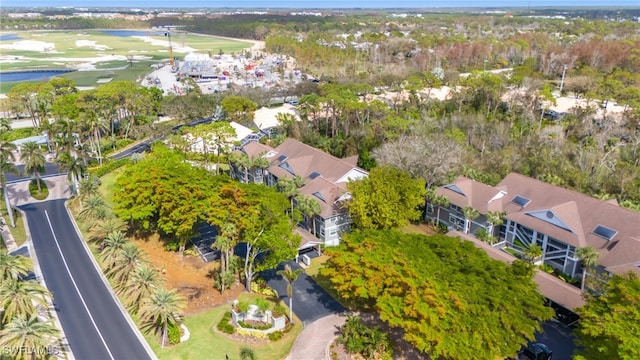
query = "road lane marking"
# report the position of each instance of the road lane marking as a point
(64, 261)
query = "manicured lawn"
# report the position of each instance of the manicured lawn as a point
(422, 229)
(207, 343)
(107, 185)
(18, 232)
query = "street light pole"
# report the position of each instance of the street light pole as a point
(564, 71)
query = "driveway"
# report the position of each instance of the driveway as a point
(310, 301)
(558, 337)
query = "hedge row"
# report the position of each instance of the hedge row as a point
(108, 167)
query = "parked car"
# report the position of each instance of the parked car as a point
(535, 351)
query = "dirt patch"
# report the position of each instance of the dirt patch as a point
(190, 275)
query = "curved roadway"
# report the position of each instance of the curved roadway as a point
(93, 323)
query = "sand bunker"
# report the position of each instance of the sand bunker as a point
(30, 45)
(91, 44)
(165, 43)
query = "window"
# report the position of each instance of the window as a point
(333, 219)
(333, 232)
(520, 201)
(604, 232)
(429, 209)
(455, 189)
(455, 208)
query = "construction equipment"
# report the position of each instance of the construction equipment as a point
(168, 35)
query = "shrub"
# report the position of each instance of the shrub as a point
(276, 335)
(260, 287)
(278, 310)
(224, 324)
(108, 167)
(174, 332)
(172, 246)
(252, 326)
(33, 189)
(248, 332)
(369, 342)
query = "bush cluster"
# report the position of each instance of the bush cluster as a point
(224, 324)
(276, 335)
(108, 167)
(252, 326)
(174, 332)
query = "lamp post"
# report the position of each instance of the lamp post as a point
(564, 71)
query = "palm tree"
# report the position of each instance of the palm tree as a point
(159, 309)
(260, 162)
(94, 208)
(224, 243)
(310, 208)
(96, 126)
(7, 160)
(112, 245)
(13, 267)
(469, 214)
(589, 257)
(33, 158)
(532, 252)
(106, 227)
(75, 168)
(247, 353)
(440, 201)
(289, 275)
(290, 188)
(18, 297)
(495, 218)
(90, 187)
(26, 333)
(142, 282)
(127, 260)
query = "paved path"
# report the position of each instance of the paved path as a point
(58, 189)
(314, 341)
(310, 301)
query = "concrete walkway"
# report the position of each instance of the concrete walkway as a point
(314, 341)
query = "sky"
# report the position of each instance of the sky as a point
(324, 4)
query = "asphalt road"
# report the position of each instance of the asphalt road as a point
(310, 301)
(559, 338)
(93, 323)
(50, 169)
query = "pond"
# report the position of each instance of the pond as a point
(6, 37)
(127, 33)
(30, 75)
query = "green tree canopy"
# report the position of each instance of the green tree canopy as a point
(450, 298)
(609, 325)
(388, 198)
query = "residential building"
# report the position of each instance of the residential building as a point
(325, 180)
(558, 220)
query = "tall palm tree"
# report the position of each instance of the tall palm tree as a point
(469, 214)
(112, 245)
(260, 162)
(127, 260)
(589, 257)
(13, 267)
(7, 153)
(440, 201)
(159, 309)
(289, 275)
(310, 208)
(224, 243)
(97, 127)
(74, 166)
(18, 297)
(290, 188)
(33, 158)
(26, 333)
(495, 218)
(142, 282)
